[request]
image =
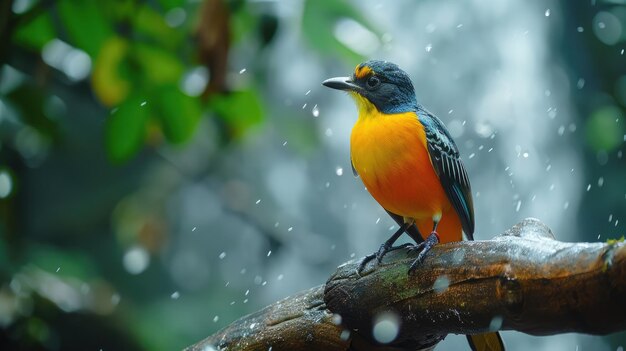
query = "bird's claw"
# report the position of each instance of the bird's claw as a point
(378, 255)
(423, 248)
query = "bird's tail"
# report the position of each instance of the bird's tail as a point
(486, 342)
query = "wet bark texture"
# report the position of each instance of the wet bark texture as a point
(522, 280)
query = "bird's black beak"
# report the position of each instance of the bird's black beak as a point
(341, 83)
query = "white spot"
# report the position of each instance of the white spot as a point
(441, 284)
(175, 295)
(386, 327)
(175, 17)
(345, 335)
(315, 111)
(547, 13)
(6, 184)
(222, 255)
(252, 325)
(580, 29)
(289, 229)
(339, 171)
(194, 81)
(496, 323)
(429, 47)
(525, 154)
(336, 319)
(136, 260)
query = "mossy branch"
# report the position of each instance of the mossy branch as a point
(521, 280)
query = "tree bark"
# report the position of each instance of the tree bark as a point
(521, 280)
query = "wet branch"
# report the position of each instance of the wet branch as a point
(521, 280)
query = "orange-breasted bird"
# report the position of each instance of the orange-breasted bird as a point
(410, 165)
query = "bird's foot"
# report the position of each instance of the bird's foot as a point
(378, 255)
(423, 248)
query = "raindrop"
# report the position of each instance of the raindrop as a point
(525, 154)
(258, 201)
(193, 229)
(610, 218)
(315, 111)
(289, 229)
(580, 29)
(58, 269)
(136, 260)
(588, 187)
(519, 205)
(600, 182)
(252, 325)
(304, 106)
(222, 255)
(280, 277)
(175, 295)
(551, 187)
(429, 47)
(243, 70)
(581, 83)
(269, 253)
(175, 17)
(548, 167)
(308, 92)
(216, 318)
(345, 335)
(561, 130)
(339, 171)
(328, 132)
(285, 143)
(386, 327)
(547, 13)
(441, 284)
(566, 205)
(336, 319)
(377, 220)
(144, 103)
(496, 323)
(6, 184)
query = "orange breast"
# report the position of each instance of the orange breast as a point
(389, 153)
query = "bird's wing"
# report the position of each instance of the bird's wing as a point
(445, 158)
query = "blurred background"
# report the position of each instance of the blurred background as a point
(168, 166)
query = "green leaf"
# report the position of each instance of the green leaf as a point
(36, 33)
(126, 129)
(239, 110)
(150, 22)
(179, 114)
(158, 65)
(319, 20)
(85, 24)
(605, 129)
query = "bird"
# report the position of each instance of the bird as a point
(410, 165)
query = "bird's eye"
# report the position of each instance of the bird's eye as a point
(372, 82)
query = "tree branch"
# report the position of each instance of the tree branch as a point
(521, 280)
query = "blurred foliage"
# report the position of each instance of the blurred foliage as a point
(156, 70)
